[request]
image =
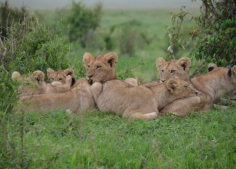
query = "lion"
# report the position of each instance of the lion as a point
(230, 95)
(78, 98)
(60, 75)
(211, 86)
(138, 101)
(35, 84)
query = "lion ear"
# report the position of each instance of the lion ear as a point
(69, 79)
(87, 57)
(185, 62)
(160, 61)
(15, 75)
(39, 76)
(211, 67)
(111, 58)
(69, 71)
(172, 85)
(232, 72)
(49, 72)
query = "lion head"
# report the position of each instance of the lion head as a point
(60, 75)
(180, 88)
(101, 68)
(29, 83)
(178, 68)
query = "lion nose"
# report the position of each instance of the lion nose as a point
(89, 76)
(196, 93)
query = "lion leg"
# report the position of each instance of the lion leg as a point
(183, 107)
(131, 113)
(96, 89)
(131, 81)
(148, 116)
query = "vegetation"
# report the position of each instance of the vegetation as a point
(9, 16)
(98, 139)
(213, 34)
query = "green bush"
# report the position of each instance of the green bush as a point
(32, 46)
(83, 22)
(217, 40)
(213, 37)
(10, 15)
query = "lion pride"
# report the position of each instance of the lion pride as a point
(79, 97)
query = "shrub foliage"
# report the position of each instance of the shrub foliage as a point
(214, 33)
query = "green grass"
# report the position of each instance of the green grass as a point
(101, 140)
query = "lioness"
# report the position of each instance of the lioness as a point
(138, 102)
(78, 98)
(211, 86)
(60, 75)
(35, 84)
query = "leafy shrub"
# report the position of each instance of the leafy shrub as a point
(213, 37)
(32, 46)
(10, 15)
(109, 44)
(127, 37)
(83, 22)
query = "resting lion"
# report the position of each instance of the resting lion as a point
(211, 86)
(60, 75)
(35, 84)
(138, 102)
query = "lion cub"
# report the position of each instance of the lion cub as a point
(60, 76)
(138, 102)
(35, 84)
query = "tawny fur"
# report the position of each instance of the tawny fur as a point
(78, 98)
(138, 102)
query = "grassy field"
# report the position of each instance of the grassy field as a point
(101, 140)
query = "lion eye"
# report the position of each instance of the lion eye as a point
(98, 67)
(52, 78)
(162, 71)
(172, 71)
(60, 79)
(88, 65)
